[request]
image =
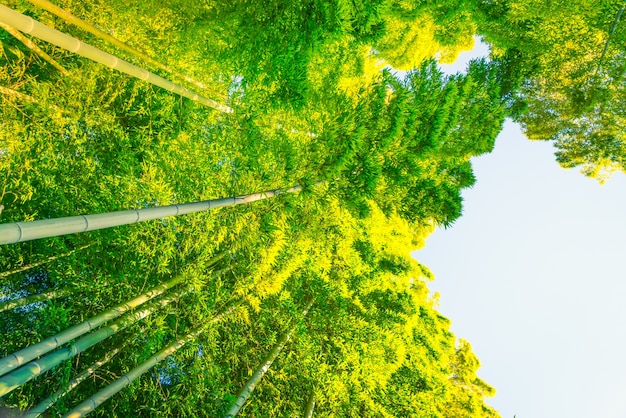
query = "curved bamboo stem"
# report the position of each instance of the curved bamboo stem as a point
(247, 389)
(70, 18)
(26, 373)
(53, 36)
(25, 231)
(31, 45)
(97, 399)
(25, 355)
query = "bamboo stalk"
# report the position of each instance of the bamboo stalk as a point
(26, 373)
(98, 398)
(53, 36)
(42, 406)
(247, 389)
(39, 263)
(33, 47)
(16, 303)
(310, 405)
(70, 18)
(25, 231)
(23, 356)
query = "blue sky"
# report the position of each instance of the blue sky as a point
(533, 276)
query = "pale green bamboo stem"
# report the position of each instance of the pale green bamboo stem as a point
(16, 303)
(247, 389)
(26, 373)
(39, 263)
(23, 356)
(97, 399)
(25, 231)
(33, 47)
(53, 36)
(310, 405)
(42, 406)
(70, 18)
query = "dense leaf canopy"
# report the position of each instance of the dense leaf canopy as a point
(382, 160)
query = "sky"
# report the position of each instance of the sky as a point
(533, 276)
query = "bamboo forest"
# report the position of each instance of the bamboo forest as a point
(208, 208)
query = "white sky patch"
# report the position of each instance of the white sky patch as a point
(532, 275)
(480, 50)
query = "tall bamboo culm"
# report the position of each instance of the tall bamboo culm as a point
(98, 398)
(310, 405)
(29, 371)
(70, 18)
(28, 25)
(25, 231)
(265, 365)
(25, 355)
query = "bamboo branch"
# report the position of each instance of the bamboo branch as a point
(70, 18)
(25, 355)
(10, 92)
(611, 32)
(25, 231)
(97, 399)
(39, 263)
(31, 45)
(53, 36)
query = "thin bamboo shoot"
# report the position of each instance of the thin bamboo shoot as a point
(39, 263)
(310, 406)
(41, 297)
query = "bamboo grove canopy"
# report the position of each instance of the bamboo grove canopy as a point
(180, 314)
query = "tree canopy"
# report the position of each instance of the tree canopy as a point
(382, 160)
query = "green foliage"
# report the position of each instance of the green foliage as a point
(381, 160)
(569, 57)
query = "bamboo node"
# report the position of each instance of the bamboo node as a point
(77, 43)
(86, 223)
(31, 25)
